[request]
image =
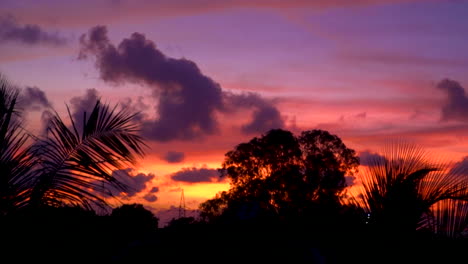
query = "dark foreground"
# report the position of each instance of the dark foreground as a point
(80, 240)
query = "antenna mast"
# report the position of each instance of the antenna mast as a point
(182, 205)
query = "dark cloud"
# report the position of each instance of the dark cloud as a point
(10, 30)
(136, 183)
(456, 105)
(186, 99)
(264, 119)
(137, 106)
(461, 167)
(82, 104)
(150, 197)
(265, 115)
(154, 190)
(33, 98)
(194, 175)
(174, 156)
(368, 158)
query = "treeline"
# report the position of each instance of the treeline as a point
(288, 200)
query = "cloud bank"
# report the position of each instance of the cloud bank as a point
(187, 101)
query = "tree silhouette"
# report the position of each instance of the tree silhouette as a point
(281, 175)
(134, 218)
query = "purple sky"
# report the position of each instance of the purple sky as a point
(209, 74)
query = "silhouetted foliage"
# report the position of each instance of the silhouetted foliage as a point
(66, 166)
(72, 162)
(16, 159)
(134, 218)
(406, 192)
(181, 222)
(279, 175)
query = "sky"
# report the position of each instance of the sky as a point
(208, 75)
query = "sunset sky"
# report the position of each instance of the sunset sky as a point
(209, 74)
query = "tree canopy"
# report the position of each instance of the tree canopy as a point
(283, 174)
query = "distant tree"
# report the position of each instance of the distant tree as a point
(279, 174)
(134, 218)
(182, 222)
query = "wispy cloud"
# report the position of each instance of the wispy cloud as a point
(11, 30)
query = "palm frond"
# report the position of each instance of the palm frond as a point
(74, 164)
(405, 187)
(449, 218)
(16, 160)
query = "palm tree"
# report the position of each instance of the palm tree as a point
(16, 158)
(405, 191)
(71, 164)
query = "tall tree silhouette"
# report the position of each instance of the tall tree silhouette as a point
(283, 175)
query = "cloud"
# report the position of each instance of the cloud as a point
(187, 100)
(368, 158)
(174, 156)
(82, 104)
(33, 98)
(265, 115)
(150, 198)
(456, 105)
(195, 175)
(29, 34)
(136, 182)
(137, 106)
(461, 167)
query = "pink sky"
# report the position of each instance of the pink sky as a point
(366, 72)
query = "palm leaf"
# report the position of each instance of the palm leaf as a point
(74, 165)
(408, 189)
(16, 160)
